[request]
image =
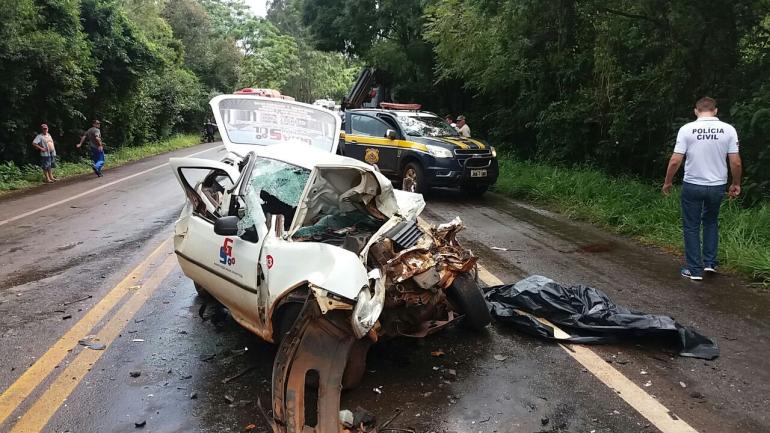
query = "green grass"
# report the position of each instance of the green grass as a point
(13, 177)
(637, 209)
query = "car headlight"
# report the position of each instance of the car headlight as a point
(494, 152)
(439, 152)
(368, 308)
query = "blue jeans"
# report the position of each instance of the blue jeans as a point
(97, 156)
(700, 206)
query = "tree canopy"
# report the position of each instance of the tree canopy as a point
(146, 68)
(599, 82)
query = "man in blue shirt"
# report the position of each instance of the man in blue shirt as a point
(705, 145)
(95, 145)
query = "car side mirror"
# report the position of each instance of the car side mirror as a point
(226, 226)
(342, 135)
(390, 134)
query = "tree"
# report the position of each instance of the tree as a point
(46, 65)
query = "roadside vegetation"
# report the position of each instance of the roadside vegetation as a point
(13, 177)
(145, 68)
(630, 207)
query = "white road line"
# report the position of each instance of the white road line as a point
(660, 416)
(98, 188)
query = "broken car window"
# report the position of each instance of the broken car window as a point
(426, 126)
(275, 188)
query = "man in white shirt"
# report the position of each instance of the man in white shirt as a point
(463, 127)
(705, 145)
(44, 144)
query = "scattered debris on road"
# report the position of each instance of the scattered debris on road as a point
(539, 306)
(437, 353)
(140, 424)
(237, 375)
(91, 344)
(77, 300)
(504, 249)
(500, 357)
(135, 373)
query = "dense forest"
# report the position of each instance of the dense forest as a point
(605, 83)
(601, 83)
(146, 68)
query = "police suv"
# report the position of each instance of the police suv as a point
(417, 149)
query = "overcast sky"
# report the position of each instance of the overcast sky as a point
(258, 7)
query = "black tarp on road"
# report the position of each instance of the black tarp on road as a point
(587, 315)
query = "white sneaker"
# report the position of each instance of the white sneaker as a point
(710, 269)
(687, 274)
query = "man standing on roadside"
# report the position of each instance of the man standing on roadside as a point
(463, 127)
(95, 145)
(706, 145)
(44, 144)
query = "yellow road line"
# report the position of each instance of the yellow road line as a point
(636, 397)
(15, 394)
(36, 418)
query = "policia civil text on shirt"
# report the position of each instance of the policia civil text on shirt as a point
(705, 145)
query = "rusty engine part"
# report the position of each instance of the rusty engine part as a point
(418, 269)
(309, 370)
(320, 355)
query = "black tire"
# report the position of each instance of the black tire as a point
(412, 178)
(287, 315)
(356, 367)
(475, 190)
(202, 292)
(468, 297)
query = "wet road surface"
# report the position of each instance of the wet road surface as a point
(178, 367)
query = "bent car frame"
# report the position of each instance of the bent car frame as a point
(314, 251)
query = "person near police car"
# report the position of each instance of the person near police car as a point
(95, 145)
(43, 142)
(450, 120)
(462, 127)
(705, 145)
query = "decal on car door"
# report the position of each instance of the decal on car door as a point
(226, 253)
(372, 155)
(226, 257)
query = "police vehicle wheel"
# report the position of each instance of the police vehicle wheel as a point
(202, 292)
(412, 178)
(468, 297)
(475, 190)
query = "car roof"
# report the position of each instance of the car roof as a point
(309, 157)
(398, 113)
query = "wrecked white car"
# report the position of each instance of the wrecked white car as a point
(314, 251)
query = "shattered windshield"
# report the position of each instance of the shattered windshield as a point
(281, 180)
(275, 187)
(426, 126)
(267, 122)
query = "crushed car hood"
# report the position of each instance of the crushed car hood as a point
(339, 181)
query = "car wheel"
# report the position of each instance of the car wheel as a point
(475, 190)
(412, 179)
(356, 367)
(202, 292)
(287, 315)
(468, 297)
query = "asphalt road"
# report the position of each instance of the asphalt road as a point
(97, 266)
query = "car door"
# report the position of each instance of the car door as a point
(367, 142)
(225, 266)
